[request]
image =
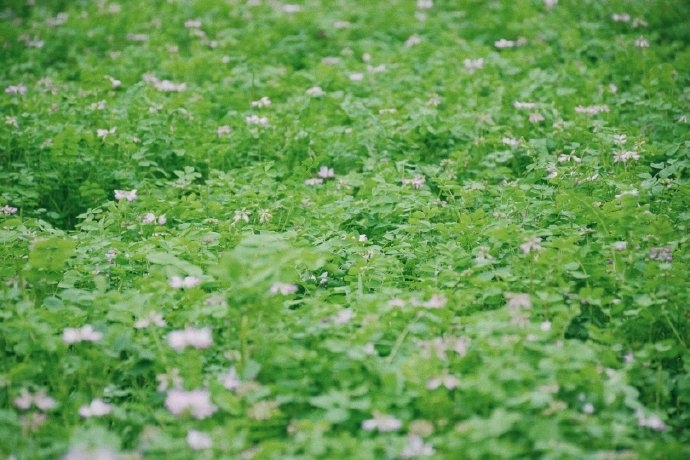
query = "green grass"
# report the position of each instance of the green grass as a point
(358, 230)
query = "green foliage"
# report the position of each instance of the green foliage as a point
(353, 230)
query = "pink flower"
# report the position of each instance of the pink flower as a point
(198, 440)
(283, 289)
(382, 423)
(196, 402)
(190, 337)
(177, 282)
(97, 408)
(129, 195)
(16, 89)
(8, 210)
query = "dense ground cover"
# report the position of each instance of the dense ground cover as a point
(344, 229)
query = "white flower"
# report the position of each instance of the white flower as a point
(517, 301)
(588, 408)
(524, 105)
(531, 244)
(162, 220)
(413, 41)
(446, 380)
(632, 192)
(341, 25)
(436, 301)
(39, 399)
(196, 402)
(545, 326)
(592, 109)
(313, 181)
(192, 24)
(417, 448)
(620, 245)
(16, 89)
(550, 3)
(114, 81)
(231, 380)
(503, 43)
(283, 289)
(425, 4)
(473, 64)
(620, 139)
(315, 91)
(241, 214)
(192, 337)
(625, 155)
(653, 422)
(82, 453)
(343, 316)
(536, 117)
(641, 42)
(263, 102)
(362, 238)
(129, 195)
(103, 133)
(7, 210)
(152, 318)
(356, 76)
(198, 440)
(416, 182)
(148, 218)
(97, 408)
(265, 216)
(169, 86)
(289, 8)
(382, 423)
(83, 334)
(256, 120)
(177, 282)
(510, 142)
(223, 131)
(620, 17)
(326, 173)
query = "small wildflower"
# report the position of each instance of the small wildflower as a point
(39, 399)
(362, 238)
(265, 216)
(313, 181)
(282, 289)
(356, 76)
(7, 210)
(625, 155)
(632, 192)
(517, 301)
(315, 91)
(162, 220)
(223, 131)
(536, 117)
(545, 326)
(510, 142)
(138, 37)
(549, 4)
(190, 337)
(661, 254)
(436, 301)
(95, 453)
(196, 402)
(413, 41)
(387, 111)
(290, 8)
(84, 334)
(531, 244)
(416, 182)
(620, 139)
(152, 317)
(263, 102)
(192, 24)
(382, 423)
(11, 121)
(588, 408)
(198, 440)
(16, 89)
(177, 282)
(97, 408)
(503, 43)
(524, 105)
(592, 109)
(416, 447)
(641, 42)
(231, 380)
(473, 64)
(129, 195)
(169, 380)
(241, 215)
(620, 17)
(103, 133)
(682, 119)
(620, 245)
(326, 173)
(256, 120)
(169, 86)
(341, 25)
(115, 83)
(448, 381)
(652, 422)
(425, 4)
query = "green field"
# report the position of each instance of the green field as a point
(338, 229)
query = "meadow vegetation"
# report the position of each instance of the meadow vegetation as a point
(344, 229)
